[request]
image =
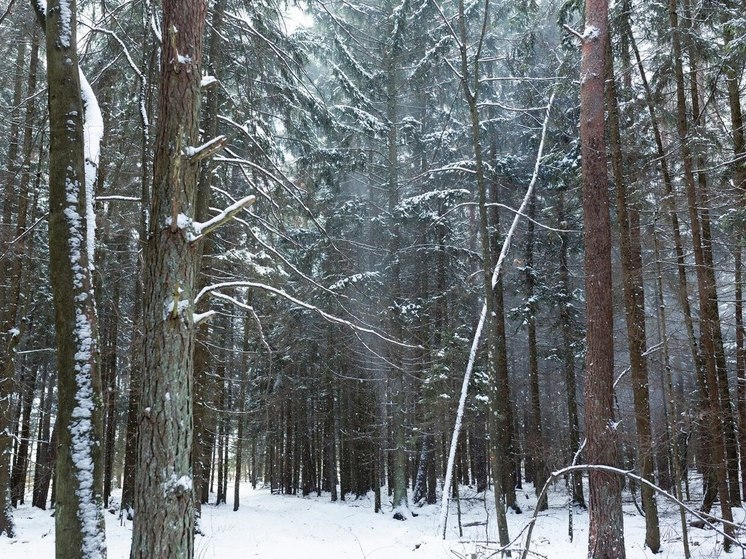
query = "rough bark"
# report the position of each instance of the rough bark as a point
(164, 505)
(606, 536)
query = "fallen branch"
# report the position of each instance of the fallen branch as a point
(706, 519)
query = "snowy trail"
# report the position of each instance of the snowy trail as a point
(281, 526)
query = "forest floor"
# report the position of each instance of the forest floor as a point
(270, 526)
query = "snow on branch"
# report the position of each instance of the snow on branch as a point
(325, 315)
(199, 318)
(201, 229)
(526, 198)
(208, 81)
(196, 154)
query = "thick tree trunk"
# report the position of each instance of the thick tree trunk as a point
(164, 504)
(606, 535)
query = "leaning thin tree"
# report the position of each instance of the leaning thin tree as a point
(606, 531)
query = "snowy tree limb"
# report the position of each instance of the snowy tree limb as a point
(206, 150)
(202, 229)
(574, 32)
(199, 318)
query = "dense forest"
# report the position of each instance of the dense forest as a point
(390, 247)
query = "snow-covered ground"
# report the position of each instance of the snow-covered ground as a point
(277, 527)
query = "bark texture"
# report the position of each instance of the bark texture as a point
(606, 536)
(164, 506)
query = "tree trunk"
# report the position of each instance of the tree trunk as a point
(634, 306)
(164, 504)
(670, 407)
(148, 67)
(204, 385)
(713, 312)
(18, 480)
(739, 179)
(79, 523)
(709, 320)
(568, 356)
(43, 466)
(535, 446)
(497, 412)
(109, 375)
(606, 535)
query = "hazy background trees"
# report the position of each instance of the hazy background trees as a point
(355, 128)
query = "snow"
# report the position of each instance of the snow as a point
(591, 32)
(93, 133)
(279, 526)
(208, 81)
(200, 228)
(65, 23)
(81, 429)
